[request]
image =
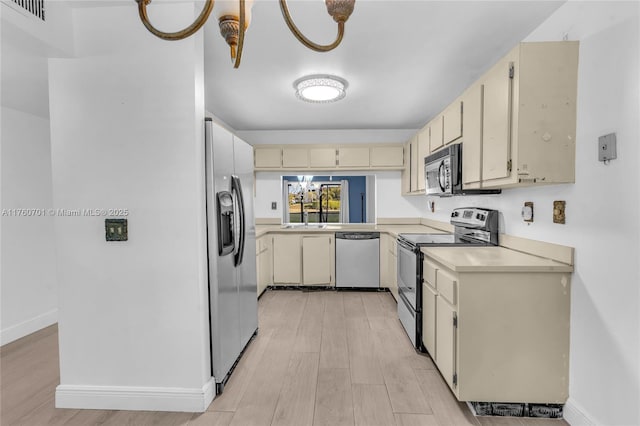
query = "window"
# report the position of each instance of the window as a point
(327, 199)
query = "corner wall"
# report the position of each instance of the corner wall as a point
(127, 132)
(602, 213)
(28, 275)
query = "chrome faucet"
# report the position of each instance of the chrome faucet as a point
(306, 218)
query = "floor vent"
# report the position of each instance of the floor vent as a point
(34, 7)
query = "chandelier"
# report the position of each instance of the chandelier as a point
(234, 17)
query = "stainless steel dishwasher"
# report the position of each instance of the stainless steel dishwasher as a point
(358, 259)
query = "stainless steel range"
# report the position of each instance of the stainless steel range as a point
(473, 227)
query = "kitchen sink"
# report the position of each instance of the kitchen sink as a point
(303, 226)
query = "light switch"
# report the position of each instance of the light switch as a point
(274, 205)
(558, 212)
(607, 147)
(116, 230)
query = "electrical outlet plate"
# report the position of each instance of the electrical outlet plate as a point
(527, 212)
(558, 212)
(274, 205)
(116, 230)
(607, 147)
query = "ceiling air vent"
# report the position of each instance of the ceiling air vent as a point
(34, 7)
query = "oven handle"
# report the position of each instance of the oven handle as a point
(403, 244)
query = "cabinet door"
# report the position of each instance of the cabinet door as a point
(317, 252)
(393, 266)
(429, 296)
(423, 151)
(267, 157)
(446, 340)
(472, 143)
(496, 123)
(295, 157)
(414, 163)
(384, 260)
(264, 264)
(387, 156)
(406, 172)
(436, 140)
(353, 157)
(322, 157)
(452, 122)
(286, 259)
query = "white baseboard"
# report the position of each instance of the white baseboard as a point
(27, 327)
(575, 415)
(192, 400)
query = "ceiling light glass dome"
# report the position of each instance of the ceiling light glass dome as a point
(320, 88)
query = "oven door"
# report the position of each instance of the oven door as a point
(408, 273)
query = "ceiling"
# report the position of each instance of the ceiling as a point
(404, 61)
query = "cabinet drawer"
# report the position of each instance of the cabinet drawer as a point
(446, 284)
(429, 272)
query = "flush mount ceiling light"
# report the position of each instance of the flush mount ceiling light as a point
(234, 15)
(320, 88)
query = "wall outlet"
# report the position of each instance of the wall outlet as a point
(274, 205)
(527, 212)
(607, 147)
(558, 212)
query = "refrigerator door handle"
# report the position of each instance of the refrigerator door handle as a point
(226, 240)
(236, 187)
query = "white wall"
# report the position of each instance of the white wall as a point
(28, 274)
(602, 213)
(389, 203)
(127, 130)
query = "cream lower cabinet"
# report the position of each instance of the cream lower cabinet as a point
(264, 263)
(429, 296)
(287, 258)
(307, 259)
(499, 336)
(388, 266)
(317, 259)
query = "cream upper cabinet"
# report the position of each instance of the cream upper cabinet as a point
(472, 141)
(322, 157)
(353, 157)
(406, 171)
(330, 157)
(529, 121)
(452, 122)
(423, 151)
(387, 156)
(286, 259)
(436, 140)
(317, 254)
(267, 157)
(295, 157)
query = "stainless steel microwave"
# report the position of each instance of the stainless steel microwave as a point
(443, 173)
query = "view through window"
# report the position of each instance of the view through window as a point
(326, 199)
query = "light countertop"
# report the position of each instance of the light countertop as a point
(392, 230)
(492, 259)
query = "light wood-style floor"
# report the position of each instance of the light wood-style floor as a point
(320, 358)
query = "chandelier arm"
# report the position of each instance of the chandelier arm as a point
(240, 33)
(304, 40)
(178, 35)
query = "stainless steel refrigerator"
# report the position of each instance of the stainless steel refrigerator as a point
(231, 247)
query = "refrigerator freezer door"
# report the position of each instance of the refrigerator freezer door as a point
(223, 290)
(247, 281)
